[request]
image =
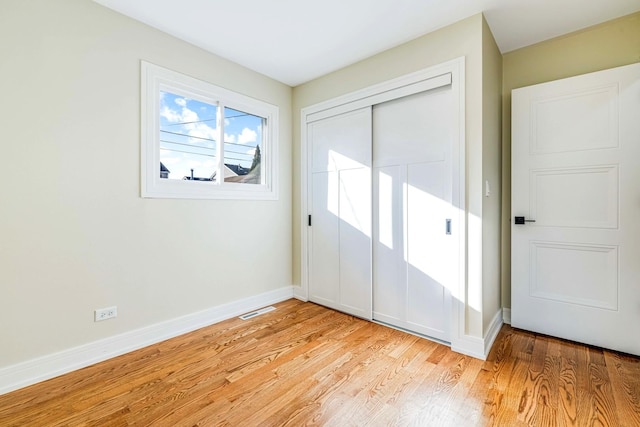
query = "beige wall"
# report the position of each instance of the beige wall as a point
(491, 164)
(75, 233)
(607, 45)
(464, 38)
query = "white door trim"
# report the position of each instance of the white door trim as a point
(391, 89)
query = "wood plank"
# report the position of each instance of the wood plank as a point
(603, 407)
(303, 364)
(511, 392)
(624, 375)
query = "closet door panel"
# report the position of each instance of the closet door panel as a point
(427, 252)
(412, 147)
(389, 268)
(355, 238)
(341, 142)
(340, 231)
(416, 128)
(324, 271)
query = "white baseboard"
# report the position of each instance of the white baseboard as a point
(470, 346)
(300, 293)
(52, 365)
(506, 315)
(479, 347)
(492, 333)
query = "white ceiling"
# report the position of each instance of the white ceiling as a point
(295, 41)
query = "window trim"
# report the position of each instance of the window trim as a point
(155, 79)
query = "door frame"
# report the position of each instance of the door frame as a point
(415, 82)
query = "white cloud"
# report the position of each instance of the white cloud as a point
(192, 125)
(247, 136)
(181, 102)
(201, 130)
(171, 115)
(188, 115)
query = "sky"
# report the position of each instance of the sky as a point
(188, 136)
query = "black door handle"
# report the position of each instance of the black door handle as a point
(520, 220)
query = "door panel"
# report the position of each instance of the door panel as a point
(355, 238)
(595, 108)
(325, 246)
(575, 273)
(414, 129)
(340, 235)
(576, 173)
(338, 142)
(413, 257)
(389, 267)
(584, 197)
(428, 299)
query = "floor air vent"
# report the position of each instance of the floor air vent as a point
(257, 312)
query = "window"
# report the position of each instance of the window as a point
(201, 141)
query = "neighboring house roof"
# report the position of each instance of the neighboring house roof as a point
(252, 177)
(231, 171)
(237, 169)
(163, 168)
(228, 173)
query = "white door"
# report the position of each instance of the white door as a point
(340, 231)
(576, 173)
(414, 257)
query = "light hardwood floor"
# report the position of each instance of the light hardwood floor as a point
(303, 364)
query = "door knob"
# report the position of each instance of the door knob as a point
(520, 220)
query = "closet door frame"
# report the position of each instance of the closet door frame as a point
(451, 72)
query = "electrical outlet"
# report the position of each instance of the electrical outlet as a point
(105, 313)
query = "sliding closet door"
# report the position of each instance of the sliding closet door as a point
(415, 254)
(340, 231)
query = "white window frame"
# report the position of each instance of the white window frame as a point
(155, 79)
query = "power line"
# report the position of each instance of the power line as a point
(188, 123)
(234, 158)
(201, 154)
(204, 148)
(203, 138)
(238, 152)
(241, 115)
(186, 152)
(240, 145)
(210, 120)
(188, 145)
(188, 136)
